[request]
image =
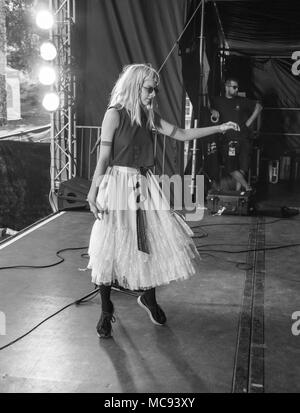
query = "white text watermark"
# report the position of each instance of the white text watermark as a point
(296, 324)
(296, 64)
(2, 324)
(157, 193)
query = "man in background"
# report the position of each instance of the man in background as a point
(235, 145)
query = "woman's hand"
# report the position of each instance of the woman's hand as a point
(95, 208)
(229, 125)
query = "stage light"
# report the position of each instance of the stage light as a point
(47, 75)
(44, 19)
(51, 101)
(48, 51)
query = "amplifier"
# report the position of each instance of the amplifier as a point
(73, 193)
(230, 202)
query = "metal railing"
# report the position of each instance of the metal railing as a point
(88, 146)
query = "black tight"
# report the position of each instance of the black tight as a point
(105, 298)
(150, 297)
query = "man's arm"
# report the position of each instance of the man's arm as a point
(255, 113)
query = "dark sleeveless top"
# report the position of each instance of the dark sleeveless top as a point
(132, 144)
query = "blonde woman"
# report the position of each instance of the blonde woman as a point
(136, 241)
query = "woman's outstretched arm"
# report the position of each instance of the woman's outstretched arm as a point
(166, 128)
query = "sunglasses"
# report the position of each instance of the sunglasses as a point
(234, 87)
(151, 89)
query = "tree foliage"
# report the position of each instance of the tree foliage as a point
(2, 64)
(22, 41)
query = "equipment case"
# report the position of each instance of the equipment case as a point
(230, 202)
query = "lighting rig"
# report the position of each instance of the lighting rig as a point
(57, 74)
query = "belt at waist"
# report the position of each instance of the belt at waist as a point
(141, 221)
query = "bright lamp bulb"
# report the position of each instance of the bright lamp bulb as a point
(48, 51)
(44, 19)
(51, 101)
(47, 75)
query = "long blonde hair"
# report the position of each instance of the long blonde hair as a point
(127, 90)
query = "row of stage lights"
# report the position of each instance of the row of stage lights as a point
(48, 52)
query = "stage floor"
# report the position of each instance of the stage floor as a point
(229, 330)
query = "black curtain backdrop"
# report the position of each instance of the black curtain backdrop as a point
(190, 54)
(112, 33)
(191, 72)
(261, 36)
(264, 27)
(273, 83)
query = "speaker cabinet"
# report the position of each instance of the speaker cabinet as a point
(73, 193)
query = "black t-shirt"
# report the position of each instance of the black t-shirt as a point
(237, 109)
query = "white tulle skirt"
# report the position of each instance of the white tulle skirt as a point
(113, 249)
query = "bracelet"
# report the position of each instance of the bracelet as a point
(174, 130)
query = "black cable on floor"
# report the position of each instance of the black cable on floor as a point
(240, 265)
(238, 223)
(92, 294)
(248, 250)
(48, 265)
(203, 235)
(77, 302)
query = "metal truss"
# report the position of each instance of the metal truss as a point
(63, 122)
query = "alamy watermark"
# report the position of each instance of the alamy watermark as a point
(296, 65)
(159, 193)
(2, 324)
(296, 72)
(296, 325)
